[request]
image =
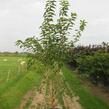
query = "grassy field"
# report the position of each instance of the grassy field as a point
(7, 65)
(87, 99)
(16, 81)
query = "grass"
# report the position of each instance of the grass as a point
(12, 97)
(8, 64)
(12, 91)
(21, 81)
(87, 99)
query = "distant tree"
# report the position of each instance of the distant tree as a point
(16, 52)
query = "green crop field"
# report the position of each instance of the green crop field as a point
(16, 81)
(9, 68)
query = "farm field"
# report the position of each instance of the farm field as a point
(16, 83)
(52, 66)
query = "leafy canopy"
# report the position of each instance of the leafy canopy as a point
(52, 47)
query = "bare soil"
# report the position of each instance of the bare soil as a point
(29, 95)
(99, 91)
(45, 97)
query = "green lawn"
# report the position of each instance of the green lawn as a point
(87, 100)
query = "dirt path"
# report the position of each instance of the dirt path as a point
(46, 96)
(27, 98)
(99, 91)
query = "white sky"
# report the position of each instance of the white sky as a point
(20, 19)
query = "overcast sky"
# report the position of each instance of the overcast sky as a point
(20, 19)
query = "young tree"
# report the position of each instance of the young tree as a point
(52, 47)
